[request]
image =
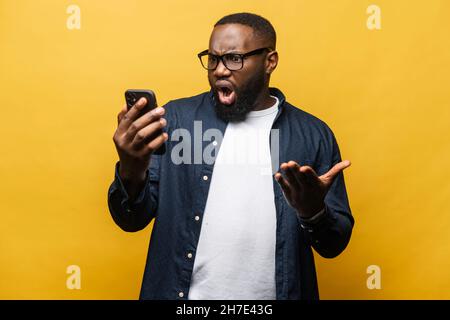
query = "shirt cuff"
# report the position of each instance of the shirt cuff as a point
(126, 203)
(315, 221)
(315, 217)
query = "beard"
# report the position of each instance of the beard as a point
(245, 99)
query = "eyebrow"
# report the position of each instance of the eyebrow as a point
(229, 52)
(232, 51)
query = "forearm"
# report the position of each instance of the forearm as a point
(330, 233)
(132, 182)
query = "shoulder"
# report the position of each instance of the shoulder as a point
(315, 136)
(307, 122)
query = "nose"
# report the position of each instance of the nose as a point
(221, 70)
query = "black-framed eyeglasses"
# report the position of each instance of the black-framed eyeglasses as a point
(231, 61)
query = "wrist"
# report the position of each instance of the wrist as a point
(131, 176)
(314, 215)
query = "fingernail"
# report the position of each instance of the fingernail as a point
(159, 110)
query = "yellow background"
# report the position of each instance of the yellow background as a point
(385, 94)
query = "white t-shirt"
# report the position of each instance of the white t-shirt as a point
(235, 256)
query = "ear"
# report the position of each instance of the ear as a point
(271, 62)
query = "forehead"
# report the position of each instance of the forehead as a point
(231, 37)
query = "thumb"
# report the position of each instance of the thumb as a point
(328, 177)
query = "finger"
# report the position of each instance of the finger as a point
(284, 184)
(300, 176)
(295, 177)
(157, 142)
(143, 121)
(149, 117)
(331, 174)
(143, 135)
(121, 114)
(310, 175)
(289, 176)
(132, 114)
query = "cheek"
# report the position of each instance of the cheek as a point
(249, 75)
(245, 75)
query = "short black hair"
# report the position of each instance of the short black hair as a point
(261, 26)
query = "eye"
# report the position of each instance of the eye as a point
(212, 58)
(235, 58)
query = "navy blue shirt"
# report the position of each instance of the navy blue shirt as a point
(175, 196)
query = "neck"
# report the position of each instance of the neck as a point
(264, 100)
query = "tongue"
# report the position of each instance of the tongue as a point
(228, 98)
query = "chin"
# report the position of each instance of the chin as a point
(235, 112)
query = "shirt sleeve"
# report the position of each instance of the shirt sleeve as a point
(329, 232)
(134, 215)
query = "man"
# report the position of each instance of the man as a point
(232, 229)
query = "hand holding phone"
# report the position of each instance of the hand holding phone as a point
(132, 96)
(139, 135)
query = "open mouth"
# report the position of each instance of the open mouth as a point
(226, 93)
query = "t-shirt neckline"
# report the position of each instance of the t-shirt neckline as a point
(265, 112)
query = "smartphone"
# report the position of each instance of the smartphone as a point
(132, 96)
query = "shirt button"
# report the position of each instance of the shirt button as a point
(205, 178)
(214, 143)
(197, 218)
(189, 255)
(181, 294)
